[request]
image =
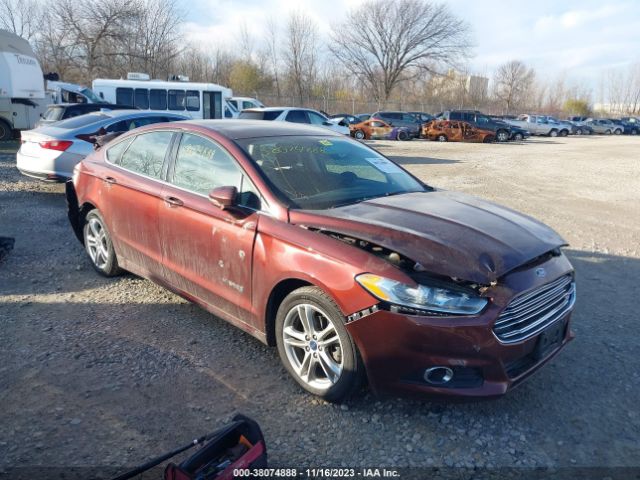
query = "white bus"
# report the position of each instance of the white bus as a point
(197, 100)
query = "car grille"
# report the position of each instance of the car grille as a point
(531, 312)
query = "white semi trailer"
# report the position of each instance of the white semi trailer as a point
(22, 93)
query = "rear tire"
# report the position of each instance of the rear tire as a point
(518, 136)
(5, 131)
(553, 133)
(488, 139)
(99, 247)
(402, 136)
(564, 133)
(607, 132)
(617, 131)
(579, 131)
(315, 347)
(442, 138)
(359, 134)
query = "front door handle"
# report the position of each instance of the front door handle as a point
(174, 202)
(110, 180)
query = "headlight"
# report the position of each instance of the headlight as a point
(422, 297)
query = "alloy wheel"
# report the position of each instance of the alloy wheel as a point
(312, 345)
(96, 243)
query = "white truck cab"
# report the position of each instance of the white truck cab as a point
(242, 103)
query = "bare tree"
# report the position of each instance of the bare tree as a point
(96, 32)
(22, 17)
(154, 37)
(301, 53)
(385, 42)
(513, 80)
(272, 37)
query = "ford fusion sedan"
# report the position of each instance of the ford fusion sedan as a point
(51, 151)
(320, 246)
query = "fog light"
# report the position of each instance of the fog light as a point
(438, 375)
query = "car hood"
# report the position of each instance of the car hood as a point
(448, 233)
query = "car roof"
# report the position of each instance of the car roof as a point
(238, 129)
(133, 113)
(273, 109)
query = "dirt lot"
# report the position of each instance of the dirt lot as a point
(97, 371)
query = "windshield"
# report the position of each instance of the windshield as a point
(319, 172)
(81, 121)
(87, 92)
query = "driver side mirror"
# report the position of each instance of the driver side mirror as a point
(224, 197)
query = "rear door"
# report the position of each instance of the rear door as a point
(133, 191)
(207, 252)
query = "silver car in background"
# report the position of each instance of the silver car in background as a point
(52, 151)
(604, 126)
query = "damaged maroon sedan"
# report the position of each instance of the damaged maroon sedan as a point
(319, 245)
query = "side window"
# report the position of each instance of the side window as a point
(201, 165)
(376, 124)
(246, 104)
(114, 153)
(193, 100)
(157, 99)
(124, 96)
(315, 119)
(146, 154)
(141, 98)
(297, 116)
(176, 100)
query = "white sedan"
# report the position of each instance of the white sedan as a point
(294, 115)
(52, 151)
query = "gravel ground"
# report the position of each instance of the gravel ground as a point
(97, 371)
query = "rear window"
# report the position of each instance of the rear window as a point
(268, 115)
(82, 120)
(54, 113)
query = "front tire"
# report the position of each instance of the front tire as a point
(403, 136)
(502, 136)
(617, 131)
(553, 133)
(359, 134)
(579, 131)
(607, 132)
(518, 136)
(99, 247)
(315, 347)
(441, 138)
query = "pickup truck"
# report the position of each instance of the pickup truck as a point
(539, 125)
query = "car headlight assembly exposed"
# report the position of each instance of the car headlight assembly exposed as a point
(422, 298)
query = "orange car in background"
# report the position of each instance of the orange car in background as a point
(456, 131)
(376, 129)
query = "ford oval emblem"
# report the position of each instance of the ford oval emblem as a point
(541, 272)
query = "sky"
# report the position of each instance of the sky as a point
(574, 40)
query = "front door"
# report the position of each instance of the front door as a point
(211, 105)
(133, 199)
(207, 252)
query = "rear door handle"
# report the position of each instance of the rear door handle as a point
(110, 180)
(174, 202)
